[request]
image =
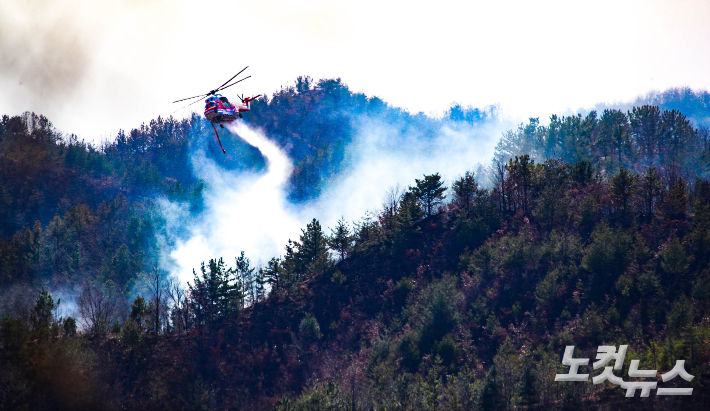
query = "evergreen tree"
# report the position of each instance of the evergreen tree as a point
(675, 260)
(340, 239)
(69, 327)
(244, 281)
(139, 310)
(623, 189)
(272, 273)
(465, 194)
(406, 230)
(430, 192)
(651, 188)
(675, 203)
(615, 136)
(527, 391)
(607, 256)
(489, 396)
(42, 315)
(521, 171)
(213, 296)
(676, 137)
(259, 286)
(310, 253)
(645, 122)
(551, 206)
(699, 238)
(313, 243)
(582, 172)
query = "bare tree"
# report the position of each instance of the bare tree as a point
(158, 287)
(390, 205)
(501, 189)
(180, 313)
(99, 307)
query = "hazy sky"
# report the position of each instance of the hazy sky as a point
(94, 67)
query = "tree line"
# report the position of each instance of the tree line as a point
(449, 297)
(453, 295)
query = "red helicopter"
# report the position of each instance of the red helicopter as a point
(218, 109)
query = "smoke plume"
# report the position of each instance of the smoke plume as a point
(250, 212)
(243, 211)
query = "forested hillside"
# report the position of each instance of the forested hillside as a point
(645, 136)
(594, 230)
(69, 207)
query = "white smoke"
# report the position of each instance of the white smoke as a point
(382, 158)
(251, 213)
(243, 211)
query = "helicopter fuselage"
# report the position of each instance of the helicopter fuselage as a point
(218, 109)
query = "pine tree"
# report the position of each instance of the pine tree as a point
(272, 274)
(650, 190)
(406, 230)
(615, 136)
(489, 397)
(42, 315)
(645, 122)
(430, 192)
(699, 238)
(465, 193)
(138, 311)
(213, 296)
(526, 387)
(259, 286)
(521, 171)
(674, 260)
(675, 203)
(309, 254)
(340, 239)
(623, 189)
(244, 282)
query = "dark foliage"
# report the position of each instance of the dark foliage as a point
(595, 231)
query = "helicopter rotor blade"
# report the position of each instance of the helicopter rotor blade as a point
(199, 99)
(233, 77)
(189, 98)
(212, 92)
(220, 89)
(196, 101)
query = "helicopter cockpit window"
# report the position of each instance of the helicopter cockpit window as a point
(223, 98)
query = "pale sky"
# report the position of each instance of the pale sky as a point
(94, 67)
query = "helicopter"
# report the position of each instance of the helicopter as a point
(218, 109)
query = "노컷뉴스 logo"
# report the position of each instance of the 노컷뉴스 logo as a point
(606, 353)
